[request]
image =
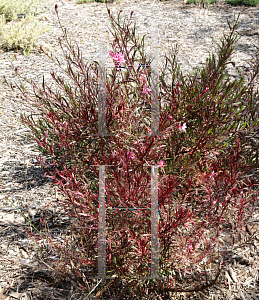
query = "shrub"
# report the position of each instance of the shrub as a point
(11, 8)
(19, 30)
(205, 194)
(20, 35)
(243, 2)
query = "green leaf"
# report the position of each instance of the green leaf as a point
(237, 103)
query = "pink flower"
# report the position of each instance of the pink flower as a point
(142, 78)
(160, 163)
(131, 154)
(203, 91)
(171, 117)
(146, 90)
(118, 57)
(182, 128)
(212, 174)
(206, 89)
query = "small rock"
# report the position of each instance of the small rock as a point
(24, 254)
(20, 219)
(7, 218)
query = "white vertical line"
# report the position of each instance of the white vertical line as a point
(154, 79)
(101, 226)
(101, 79)
(101, 132)
(154, 222)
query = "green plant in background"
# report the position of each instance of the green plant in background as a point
(19, 29)
(12, 8)
(20, 35)
(243, 2)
